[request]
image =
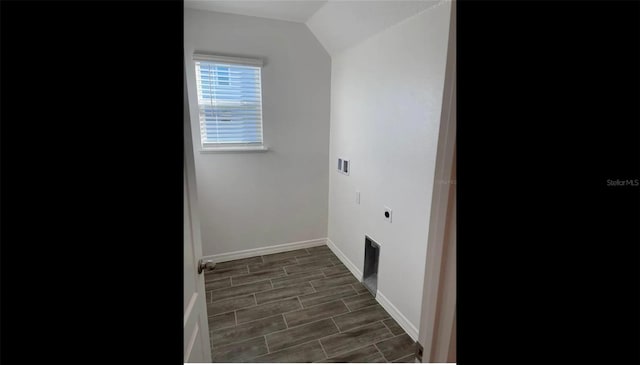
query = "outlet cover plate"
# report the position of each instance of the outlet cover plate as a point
(387, 217)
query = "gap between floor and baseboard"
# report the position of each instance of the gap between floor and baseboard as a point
(265, 250)
(407, 326)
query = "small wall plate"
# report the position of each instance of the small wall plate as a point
(387, 214)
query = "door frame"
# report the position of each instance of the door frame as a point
(438, 313)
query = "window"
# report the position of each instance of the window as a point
(229, 102)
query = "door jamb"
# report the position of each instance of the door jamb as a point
(438, 285)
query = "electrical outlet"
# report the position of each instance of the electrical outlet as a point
(387, 214)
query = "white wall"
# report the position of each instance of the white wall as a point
(386, 99)
(252, 200)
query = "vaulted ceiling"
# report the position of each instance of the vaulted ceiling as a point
(293, 11)
(337, 24)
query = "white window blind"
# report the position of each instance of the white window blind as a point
(229, 101)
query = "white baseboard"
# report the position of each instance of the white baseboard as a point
(407, 326)
(266, 250)
(345, 260)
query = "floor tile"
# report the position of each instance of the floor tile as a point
(393, 326)
(366, 300)
(314, 258)
(267, 309)
(246, 331)
(328, 283)
(257, 276)
(217, 284)
(309, 352)
(298, 278)
(360, 288)
(319, 250)
(284, 255)
(224, 273)
(230, 304)
(272, 265)
(320, 264)
(237, 263)
(282, 293)
(240, 351)
(358, 337)
(363, 355)
(360, 317)
(408, 358)
(357, 298)
(279, 307)
(235, 291)
(336, 270)
(222, 321)
(397, 347)
(315, 313)
(301, 334)
(328, 295)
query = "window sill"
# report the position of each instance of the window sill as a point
(233, 149)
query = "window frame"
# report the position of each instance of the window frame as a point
(229, 147)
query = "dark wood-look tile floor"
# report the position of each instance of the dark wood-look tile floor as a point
(298, 306)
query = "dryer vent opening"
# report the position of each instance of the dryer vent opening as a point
(371, 256)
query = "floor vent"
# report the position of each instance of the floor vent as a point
(371, 256)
